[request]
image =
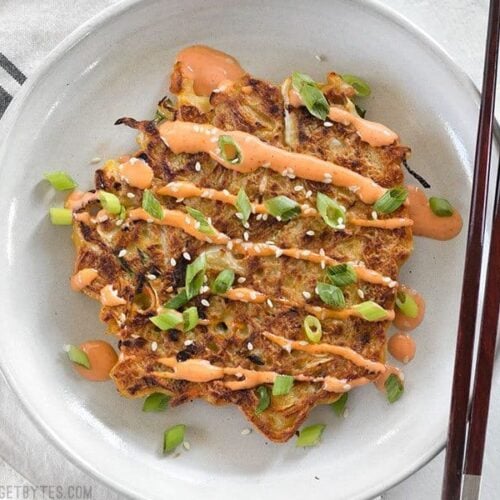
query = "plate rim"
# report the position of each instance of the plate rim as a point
(13, 113)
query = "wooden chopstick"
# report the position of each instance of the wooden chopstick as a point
(484, 364)
(473, 259)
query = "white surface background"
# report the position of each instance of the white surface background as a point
(37, 26)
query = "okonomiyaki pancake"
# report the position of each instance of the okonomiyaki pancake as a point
(195, 159)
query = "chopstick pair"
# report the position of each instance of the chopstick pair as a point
(457, 429)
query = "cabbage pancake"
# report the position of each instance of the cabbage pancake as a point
(247, 337)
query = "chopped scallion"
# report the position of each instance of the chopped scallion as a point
(371, 311)
(205, 226)
(332, 212)
(360, 86)
(190, 318)
(391, 200)
(283, 207)
(60, 180)
(341, 274)
(78, 356)
(264, 399)
(157, 401)
(313, 329)
(229, 150)
(312, 97)
(173, 437)
(243, 205)
(310, 436)
(406, 304)
(178, 301)
(151, 204)
(394, 388)
(282, 385)
(441, 207)
(339, 406)
(110, 202)
(61, 216)
(331, 295)
(167, 319)
(195, 273)
(224, 281)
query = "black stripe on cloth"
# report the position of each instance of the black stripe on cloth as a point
(12, 69)
(5, 99)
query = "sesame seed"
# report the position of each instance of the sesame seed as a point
(119, 222)
(205, 302)
(266, 164)
(328, 124)
(327, 180)
(246, 236)
(173, 262)
(386, 279)
(310, 232)
(259, 216)
(186, 256)
(130, 195)
(197, 166)
(187, 220)
(154, 346)
(188, 342)
(361, 294)
(269, 302)
(186, 445)
(347, 387)
(264, 216)
(122, 317)
(246, 432)
(318, 58)
(179, 200)
(278, 252)
(298, 188)
(97, 159)
(345, 415)
(307, 295)
(278, 218)
(246, 225)
(229, 245)
(250, 346)
(170, 289)
(374, 215)
(66, 347)
(197, 224)
(393, 284)
(269, 242)
(306, 253)
(151, 276)
(322, 252)
(122, 252)
(308, 194)
(322, 265)
(241, 279)
(316, 291)
(239, 215)
(253, 295)
(226, 192)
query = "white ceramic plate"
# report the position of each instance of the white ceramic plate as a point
(117, 65)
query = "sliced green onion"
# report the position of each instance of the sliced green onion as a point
(190, 318)
(391, 200)
(61, 216)
(441, 207)
(312, 97)
(361, 111)
(332, 212)
(264, 399)
(167, 319)
(195, 274)
(60, 180)
(360, 86)
(339, 406)
(123, 213)
(205, 226)
(224, 281)
(331, 295)
(78, 356)
(110, 202)
(156, 402)
(313, 329)
(406, 304)
(283, 207)
(393, 387)
(229, 150)
(282, 385)
(310, 436)
(151, 204)
(173, 437)
(243, 205)
(341, 274)
(371, 311)
(178, 301)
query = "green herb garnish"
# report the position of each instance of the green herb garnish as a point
(310, 436)
(341, 274)
(331, 295)
(391, 200)
(282, 207)
(61, 181)
(151, 204)
(332, 212)
(313, 329)
(156, 402)
(312, 97)
(441, 207)
(282, 385)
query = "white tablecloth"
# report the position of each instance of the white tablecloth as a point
(29, 29)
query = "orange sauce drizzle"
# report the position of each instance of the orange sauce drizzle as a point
(83, 278)
(186, 137)
(426, 222)
(80, 199)
(208, 68)
(102, 358)
(136, 173)
(402, 347)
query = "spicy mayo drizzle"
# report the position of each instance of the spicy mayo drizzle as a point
(136, 173)
(83, 278)
(402, 347)
(426, 222)
(102, 358)
(208, 68)
(187, 137)
(405, 322)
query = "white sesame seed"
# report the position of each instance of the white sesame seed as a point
(119, 222)
(308, 194)
(259, 216)
(173, 262)
(130, 195)
(316, 291)
(197, 166)
(186, 445)
(179, 200)
(229, 245)
(278, 218)
(197, 224)
(151, 276)
(328, 124)
(250, 346)
(298, 188)
(122, 252)
(246, 225)
(241, 279)
(307, 295)
(187, 220)
(386, 279)
(393, 284)
(205, 302)
(322, 252)
(278, 252)
(205, 279)
(361, 294)
(306, 253)
(345, 415)
(269, 302)
(266, 164)
(269, 242)
(97, 159)
(246, 432)
(122, 317)
(246, 236)
(154, 346)
(264, 216)
(347, 387)
(66, 347)
(226, 192)
(186, 256)
(239, 215)
(310, 232)
(374, 215)
(322, 265)
(170, 289)
(253, 295)
(188, 342)
(318, 58)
